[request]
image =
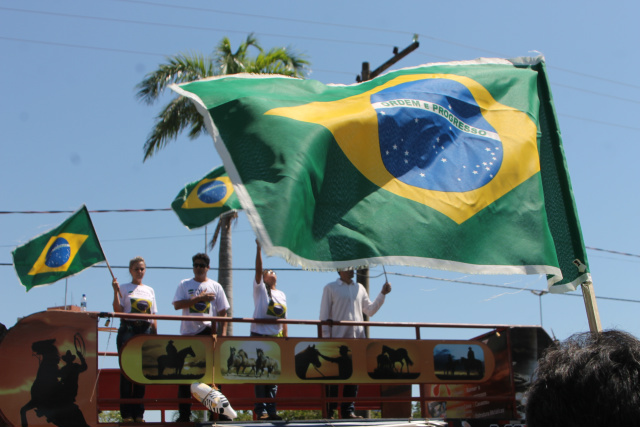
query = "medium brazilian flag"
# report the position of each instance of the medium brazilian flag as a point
(202, 201)
(64, 251)
(456, 166)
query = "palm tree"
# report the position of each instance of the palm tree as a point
(180, 114)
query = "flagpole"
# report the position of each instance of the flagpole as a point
(66, 283)
(111, 271)
(113, 277)
(592, 307)
(589, 297)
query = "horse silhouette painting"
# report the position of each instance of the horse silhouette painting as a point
(265, 362)
(399, 355)
(232, 355)
(251, 363)
(450, 367)
(384, 363)
(392, 363)
(174, 361)
(472, 366)
(308, 356)
(238, 360)
(53, 391)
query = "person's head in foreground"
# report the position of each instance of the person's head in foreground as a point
(591, 379)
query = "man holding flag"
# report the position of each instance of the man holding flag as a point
(345, 299)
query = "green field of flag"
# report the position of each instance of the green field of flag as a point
(456, 166)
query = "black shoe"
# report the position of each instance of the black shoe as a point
(274, 417)
(183, 420)
(223, 417)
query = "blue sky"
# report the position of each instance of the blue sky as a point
(72, 132)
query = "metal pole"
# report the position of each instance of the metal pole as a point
(539, 294)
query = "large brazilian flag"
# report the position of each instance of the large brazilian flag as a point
(456, 166)
(64, 251)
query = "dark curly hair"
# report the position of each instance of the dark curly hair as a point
(591, 379)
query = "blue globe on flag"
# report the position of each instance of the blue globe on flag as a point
(59, 253)
(212, 192)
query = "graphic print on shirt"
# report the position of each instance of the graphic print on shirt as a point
(276, 309)
(140, 305)
(201, 307)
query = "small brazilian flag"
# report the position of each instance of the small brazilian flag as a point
(202, 201)
(64, 251)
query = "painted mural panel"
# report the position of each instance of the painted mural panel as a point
(48, 369)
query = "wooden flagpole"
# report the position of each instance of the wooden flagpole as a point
(589, 296)
(591, 306)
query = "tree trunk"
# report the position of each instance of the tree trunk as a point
(225, 262)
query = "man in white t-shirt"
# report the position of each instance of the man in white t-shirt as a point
(345, 299)
(198, 297)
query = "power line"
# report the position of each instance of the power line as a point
(77, 46)
(297, 36)
(192, 27)
(169, 209)
(612, 252)
(465, 282)
(589, 120)
(415, 276)
(91, 211)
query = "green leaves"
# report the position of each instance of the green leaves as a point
(179, 114)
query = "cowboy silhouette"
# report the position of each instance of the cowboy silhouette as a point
(470, 354)
(172, 351)
(52, 398)
(345, 364)
(70, 373)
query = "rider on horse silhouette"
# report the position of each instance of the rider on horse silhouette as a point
(172, 351)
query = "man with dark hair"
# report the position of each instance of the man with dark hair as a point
(199, 296)
(591, 379)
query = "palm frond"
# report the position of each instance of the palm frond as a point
(179, 114)
(177, 69)
(229, 62)
(280, 61)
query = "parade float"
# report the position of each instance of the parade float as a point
(51, 373)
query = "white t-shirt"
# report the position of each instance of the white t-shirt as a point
(189, 288)
(264, 310)
(138, 299)
(343, 301)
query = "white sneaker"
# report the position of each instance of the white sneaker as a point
(213, 400)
